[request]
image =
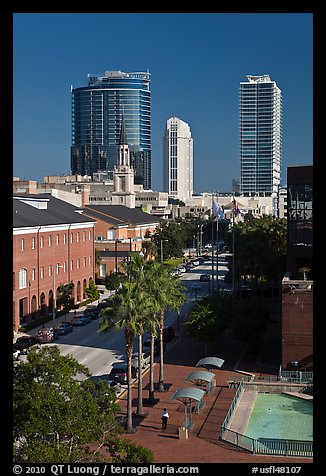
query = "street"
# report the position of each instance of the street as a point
(98, 351)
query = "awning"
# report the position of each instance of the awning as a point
(185, 395)
(210, 363)
(201, 375)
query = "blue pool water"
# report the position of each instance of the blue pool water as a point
(282, 417)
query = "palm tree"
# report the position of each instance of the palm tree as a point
(166, 292)
(125, 312)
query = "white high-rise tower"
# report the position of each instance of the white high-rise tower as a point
(178, 159)
(260, 136)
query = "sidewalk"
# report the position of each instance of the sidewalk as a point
(203, 445)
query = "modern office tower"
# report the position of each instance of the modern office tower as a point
(178, 159)
(260, 136)
(97, 111)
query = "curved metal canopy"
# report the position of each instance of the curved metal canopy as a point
(200, 375)
(187, 394)
(210, 363)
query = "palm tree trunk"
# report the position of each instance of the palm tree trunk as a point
(161, 387)
(140, 376)
(129, 345)
(151, 395)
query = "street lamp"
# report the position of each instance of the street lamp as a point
(55, 291)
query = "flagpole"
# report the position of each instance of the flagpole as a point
(217, 218)
(233, 253)
(212, 245)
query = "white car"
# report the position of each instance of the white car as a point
(16, 354)
(182, 269)
(145, 359)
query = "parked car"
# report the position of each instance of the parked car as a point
(146, 357)
(168, 333)
(92, 311)
(188, 266)
(147, 345)
(24, 342)
(182, 269)
(64, 328)
(45, 336)
(81, 320)
(16, 354)
(114, 384)
(195, 262)
(204, 277)
(119, 372)
(103, 304)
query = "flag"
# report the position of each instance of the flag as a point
(217, 210)
(235, 208)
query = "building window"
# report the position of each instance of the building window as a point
(22, 278)
(90, 260)
(71, 237)
(78, 263)
(50, 269)
(71, 264)
(77, 236)
(64, 266)
(33, 274)
(85, 261)
(84, 235)
(42, 272)
(41, 242)
(22, 244)
(58, 239)
(33, 243)
(64, 238)
(89, 235)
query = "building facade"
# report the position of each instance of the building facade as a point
(260, 137)
(177, 159)
(297, 285)
(52, 245)
(96, 123)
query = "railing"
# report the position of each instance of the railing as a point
(235, 400)
(268, 446)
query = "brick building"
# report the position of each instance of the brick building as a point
(53, 244)
(297, 286)
(118, 231)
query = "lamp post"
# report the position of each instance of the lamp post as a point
(55, 292)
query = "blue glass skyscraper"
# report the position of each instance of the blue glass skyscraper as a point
(260, 136)
(97, 111)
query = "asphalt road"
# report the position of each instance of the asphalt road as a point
(98, 351)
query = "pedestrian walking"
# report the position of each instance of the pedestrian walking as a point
(164, 418)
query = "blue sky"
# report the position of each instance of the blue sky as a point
(196, 61)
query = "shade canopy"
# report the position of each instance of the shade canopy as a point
(210, 363)
(202, 375)
(185, 395)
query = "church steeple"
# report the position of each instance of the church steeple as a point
(123, 135)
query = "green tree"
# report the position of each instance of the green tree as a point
(65, 297)
(250, 319)
(54, 415)
(93, 293)
(113, 280)
(209, 318)
(169, 238)
(128, 306)
(166, 293)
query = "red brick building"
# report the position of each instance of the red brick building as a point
(118, 231)
(53, 244)
(297, 287)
